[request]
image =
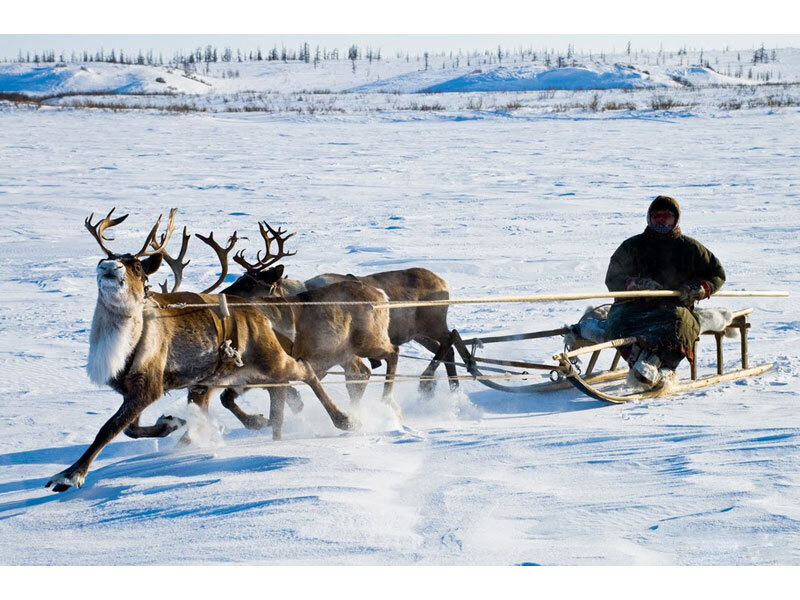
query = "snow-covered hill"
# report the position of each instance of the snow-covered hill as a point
(396, 75)
(56, 79)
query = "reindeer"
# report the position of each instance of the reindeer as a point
(142, 350)
(322, 335)
(426, 325)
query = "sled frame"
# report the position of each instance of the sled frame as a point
(566, 373)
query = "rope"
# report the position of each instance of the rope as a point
(397, 379)
(394, 304)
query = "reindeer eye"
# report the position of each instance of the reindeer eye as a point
(137, 267)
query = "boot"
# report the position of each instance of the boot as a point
(646, 370)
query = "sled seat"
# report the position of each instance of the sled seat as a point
(740, 323)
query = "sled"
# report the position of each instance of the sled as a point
(601, 385)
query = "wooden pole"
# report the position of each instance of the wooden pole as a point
(576, 296)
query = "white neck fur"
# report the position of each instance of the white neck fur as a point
(111, 342)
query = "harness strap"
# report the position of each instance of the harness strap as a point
(227, 335)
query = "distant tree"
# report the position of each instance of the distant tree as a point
(426, 61)
(499, 54)
(760, 55)
(628, 49)
(258, 55)
(352, 55)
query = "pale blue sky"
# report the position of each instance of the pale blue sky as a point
(389, 44)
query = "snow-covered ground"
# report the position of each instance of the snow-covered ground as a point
(497, 205)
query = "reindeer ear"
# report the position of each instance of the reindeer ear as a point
(272, 275)
(151, 263)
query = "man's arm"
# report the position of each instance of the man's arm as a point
(706, 278)
(621, 269)
(714, 273)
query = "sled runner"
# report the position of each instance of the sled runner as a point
(606, 385)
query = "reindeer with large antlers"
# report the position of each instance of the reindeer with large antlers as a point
(141, 349)
(322, 335)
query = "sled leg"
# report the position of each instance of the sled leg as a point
(615, 361)
(592, 363)
(743, 327)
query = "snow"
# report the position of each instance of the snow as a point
(97, 77)
(497, 204)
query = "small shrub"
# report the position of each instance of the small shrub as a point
(662, 103)
(731, 105)
(619, 106)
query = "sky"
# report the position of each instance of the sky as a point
(390, 44)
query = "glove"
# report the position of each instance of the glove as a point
(635, 284)
(693, 291)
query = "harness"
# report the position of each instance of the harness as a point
(227, 336)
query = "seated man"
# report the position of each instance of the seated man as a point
(660, 258)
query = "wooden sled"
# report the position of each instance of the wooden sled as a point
(567, 372)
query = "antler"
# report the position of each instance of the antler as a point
(222, 254)
(98, 229)
(176, 264)
(157, 248)
(269, 234)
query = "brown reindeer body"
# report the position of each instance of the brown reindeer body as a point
(163, 349)
(322, 336)
(426, 325)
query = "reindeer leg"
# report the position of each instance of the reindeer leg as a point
(228, 399)
(427, 383)
(356, 374)
(200, 396)
(277, 401)
(388, 387)
(450, 364)
(165, 424)
(305, 373)
(292, 398)
(132, 407)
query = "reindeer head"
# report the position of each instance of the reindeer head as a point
(122, 278)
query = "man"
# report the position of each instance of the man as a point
(660, 258)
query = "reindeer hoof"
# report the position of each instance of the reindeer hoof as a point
(61, 482)
(294, 401)
(426, 388)
(347, 423)
(168, 424)
(255, 422)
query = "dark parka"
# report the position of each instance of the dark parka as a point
(671, 259)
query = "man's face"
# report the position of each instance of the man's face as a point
(662, 219)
